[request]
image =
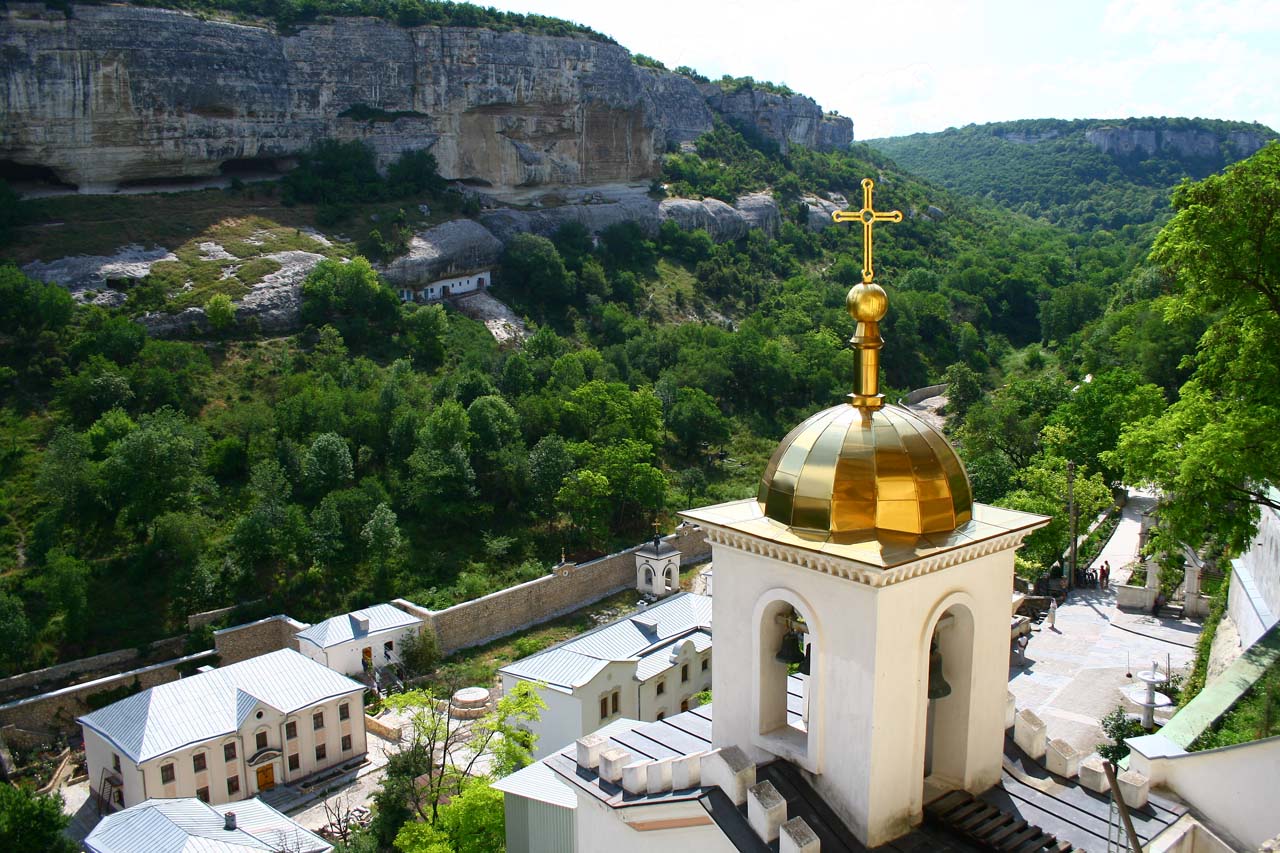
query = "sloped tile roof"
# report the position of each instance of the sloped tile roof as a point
(212, 704)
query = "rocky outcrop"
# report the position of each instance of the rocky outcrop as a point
(89, 277)
(1190, 144)
(459, 246)
(785, 119)
(820, 210)
(110, 94)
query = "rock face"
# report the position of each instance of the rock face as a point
(785, 119)
(722, 221)
(455, 247)
(112, 94)
(1186, 144)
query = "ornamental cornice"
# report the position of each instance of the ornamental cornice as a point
(858, 572)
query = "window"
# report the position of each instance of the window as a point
(705, 663)
(662, 687)
(321, 752)
(616, 694)
(344, 711)
(166, 774)
(233, 785)
(291, 730)
(604, 707)
(202, 794)
(115, 762)
(317, 720)
(197, 762)
(684, 673)
(294, 762)
(346, 743)
(229, 751)
(388, 647)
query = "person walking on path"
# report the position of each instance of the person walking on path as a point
(1053, 614)
(1104, 574)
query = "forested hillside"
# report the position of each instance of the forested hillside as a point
(1086, 174)
(397, 450)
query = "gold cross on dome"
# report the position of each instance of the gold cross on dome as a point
(868, 217)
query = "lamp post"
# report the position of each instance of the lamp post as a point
(1071, 516)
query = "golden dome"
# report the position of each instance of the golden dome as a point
(849, 469)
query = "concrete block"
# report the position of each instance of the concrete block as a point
(1010, 710)
(1029, 733)
(589, 751)
(659, 773)
(686, 771)
(1062, 758)
(796, 837)
(1092, 776)
(729, 769)
(1134, 788)
(635, 777)
(766, 810)
(612, 760)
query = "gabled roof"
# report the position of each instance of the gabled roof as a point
(212, 704)
(342, 629)
(191, 826)
(647, 635)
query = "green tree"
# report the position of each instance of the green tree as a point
(584, 498)
(532, 264)
(220, 312)
(1096, 412)
(696, 421)
(1042, 488)
(31, 821)
(549, 464)
(473, 821)
(156, 467)
(964, 388)
(15, 633)
(424, 330)
(1215, 452)
(327, 464)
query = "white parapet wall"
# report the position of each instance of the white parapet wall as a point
(1233, 787)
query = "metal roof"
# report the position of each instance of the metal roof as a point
(212, 704)
(341, 629)
(575, 662)
(538, 782)
(659, 660)
(191, 826)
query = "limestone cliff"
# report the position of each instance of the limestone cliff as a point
(110, 94)
(1189, 144)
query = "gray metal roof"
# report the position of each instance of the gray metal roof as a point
(191, 826)
(575, 662)
(538, 782)
(212, 704)
(341, 629)
(659, 660)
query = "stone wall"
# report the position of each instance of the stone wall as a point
(241, 642)
(55, 676)
(35, 719)
(566, 589)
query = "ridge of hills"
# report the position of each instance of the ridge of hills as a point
(1083, 174)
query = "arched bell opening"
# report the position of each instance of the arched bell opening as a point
(947, 698)
(788, 665)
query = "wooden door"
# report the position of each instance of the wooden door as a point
(266, 777)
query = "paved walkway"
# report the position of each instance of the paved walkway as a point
(1075, 674)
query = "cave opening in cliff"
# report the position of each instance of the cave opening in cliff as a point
(256, 168)
(29, 177)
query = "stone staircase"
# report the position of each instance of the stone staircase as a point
(989, 827)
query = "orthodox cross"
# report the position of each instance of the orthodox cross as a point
(868, 217)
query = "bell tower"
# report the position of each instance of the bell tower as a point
(863, 601)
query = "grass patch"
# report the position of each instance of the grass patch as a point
(1204, 645)
(253, 271)
(1254, 717)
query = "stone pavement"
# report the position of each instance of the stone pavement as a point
(1075, 675)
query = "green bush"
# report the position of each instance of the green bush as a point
(1204, 645)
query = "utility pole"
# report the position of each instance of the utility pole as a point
(1071, 514)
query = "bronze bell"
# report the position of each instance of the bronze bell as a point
(938, 686)
(792, 648)
(808, 658)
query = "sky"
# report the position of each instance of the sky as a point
(899, 67)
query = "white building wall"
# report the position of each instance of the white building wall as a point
(1253, 602)
(98, 756)
(559, 724)
(447, 287)
(348, 658)
(600, 828)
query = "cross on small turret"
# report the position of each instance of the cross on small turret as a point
(868, 217)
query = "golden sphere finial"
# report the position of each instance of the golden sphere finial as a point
(867, 302)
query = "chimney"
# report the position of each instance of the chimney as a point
(229, 822)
